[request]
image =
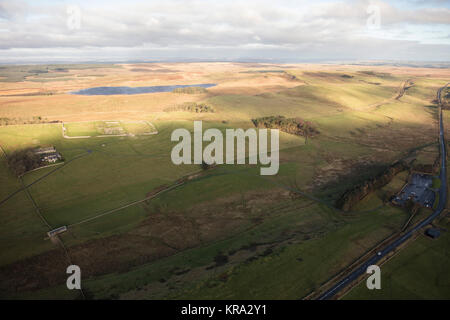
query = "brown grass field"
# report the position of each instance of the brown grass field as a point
(173, 246)
(231, 79)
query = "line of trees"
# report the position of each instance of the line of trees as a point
(357, 193)
(191, 107)
(190, 90)
(37, 119)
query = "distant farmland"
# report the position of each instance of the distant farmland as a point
(215, 232)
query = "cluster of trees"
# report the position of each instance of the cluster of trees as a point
(191, 107)
(354, 195)
(295, 126)
(37, 119)
(290, 76)
(21, 161)
(190, 90)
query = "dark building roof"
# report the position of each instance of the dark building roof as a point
(433, 233)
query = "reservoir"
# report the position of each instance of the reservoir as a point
(136, 90)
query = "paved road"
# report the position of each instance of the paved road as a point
(391, 247)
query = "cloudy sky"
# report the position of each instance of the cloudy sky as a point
(279, 30)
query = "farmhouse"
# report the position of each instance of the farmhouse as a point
(52, 158)
(48, 154)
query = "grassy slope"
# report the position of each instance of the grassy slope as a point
(86, 186)
(125, 169)
(293, 271)
(21, 230)
(419, 271)
(316, 234)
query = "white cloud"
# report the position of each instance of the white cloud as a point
(205, 28)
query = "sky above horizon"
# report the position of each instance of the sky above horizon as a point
(281, 30)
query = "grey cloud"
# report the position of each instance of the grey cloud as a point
(282, 26)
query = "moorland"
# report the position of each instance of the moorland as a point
(141, 227)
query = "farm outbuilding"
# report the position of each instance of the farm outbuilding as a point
(56, 231)
(45, 150)
(48, 154)
(433, 233)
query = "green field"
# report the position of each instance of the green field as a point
(418, 272)
(99, 128)
(227, 232)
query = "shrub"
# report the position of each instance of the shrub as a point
(220, 259)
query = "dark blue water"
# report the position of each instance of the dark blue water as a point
(136, 90)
